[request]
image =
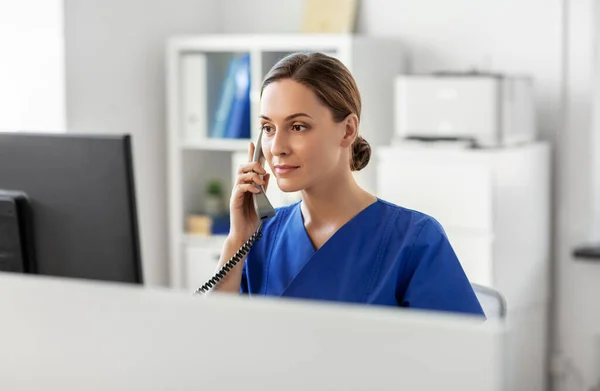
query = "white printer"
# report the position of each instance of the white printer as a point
(485, 109)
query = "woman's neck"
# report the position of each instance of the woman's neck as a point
(334, 202)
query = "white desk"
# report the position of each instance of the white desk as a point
(74, 335)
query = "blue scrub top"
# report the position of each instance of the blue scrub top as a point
(385, 255)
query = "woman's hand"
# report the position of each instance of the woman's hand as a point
(244, 220)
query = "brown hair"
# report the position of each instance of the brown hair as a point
(333, 84)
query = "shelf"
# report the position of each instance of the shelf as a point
(203, 241)
(243, 42)
(588, 253)
(233, 145)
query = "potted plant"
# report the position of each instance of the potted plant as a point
(213, 200)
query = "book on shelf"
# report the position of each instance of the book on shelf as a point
(195, 118)
(201, 224)
(238, 122)
(232, 116)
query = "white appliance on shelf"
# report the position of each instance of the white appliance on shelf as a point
(494, 205)
(487, 109)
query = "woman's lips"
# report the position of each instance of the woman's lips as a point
(284, 169)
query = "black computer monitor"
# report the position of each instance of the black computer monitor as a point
(79, 216)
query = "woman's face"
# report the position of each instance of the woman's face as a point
(301, 141)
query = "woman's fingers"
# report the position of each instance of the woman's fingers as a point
(243, 188)
(251, 151)
(250, 177)
(251, 166)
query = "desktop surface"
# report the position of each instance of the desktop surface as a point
(74, 335)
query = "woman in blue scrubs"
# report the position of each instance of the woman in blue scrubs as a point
(340, 243)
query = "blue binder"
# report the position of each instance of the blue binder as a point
(238, 122)
(219, 125)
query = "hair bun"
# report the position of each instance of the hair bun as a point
(361, 153)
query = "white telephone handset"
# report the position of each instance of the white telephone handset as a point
(264, 211)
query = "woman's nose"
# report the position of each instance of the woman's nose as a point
(280, 143)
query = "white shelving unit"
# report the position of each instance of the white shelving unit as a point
(196, 68)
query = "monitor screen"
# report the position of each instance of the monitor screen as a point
(79, 219)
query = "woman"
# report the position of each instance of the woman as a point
(339, 243)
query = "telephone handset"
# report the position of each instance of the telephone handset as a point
(264, 211)
(262, 206)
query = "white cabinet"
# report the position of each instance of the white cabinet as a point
(467, 187)
(201, 257)
(196, 71)
(476, 253)
(494, 205)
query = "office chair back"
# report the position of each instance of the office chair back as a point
(492, 302)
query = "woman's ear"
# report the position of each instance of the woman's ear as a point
(350, 130)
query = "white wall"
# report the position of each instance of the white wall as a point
(578, 281)
(261, 16)
(32, 86)
(116, 84)
(595, 142)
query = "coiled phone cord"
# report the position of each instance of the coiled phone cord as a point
(237, 257)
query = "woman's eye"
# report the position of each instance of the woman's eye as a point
(267, 128)
(298, 128)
